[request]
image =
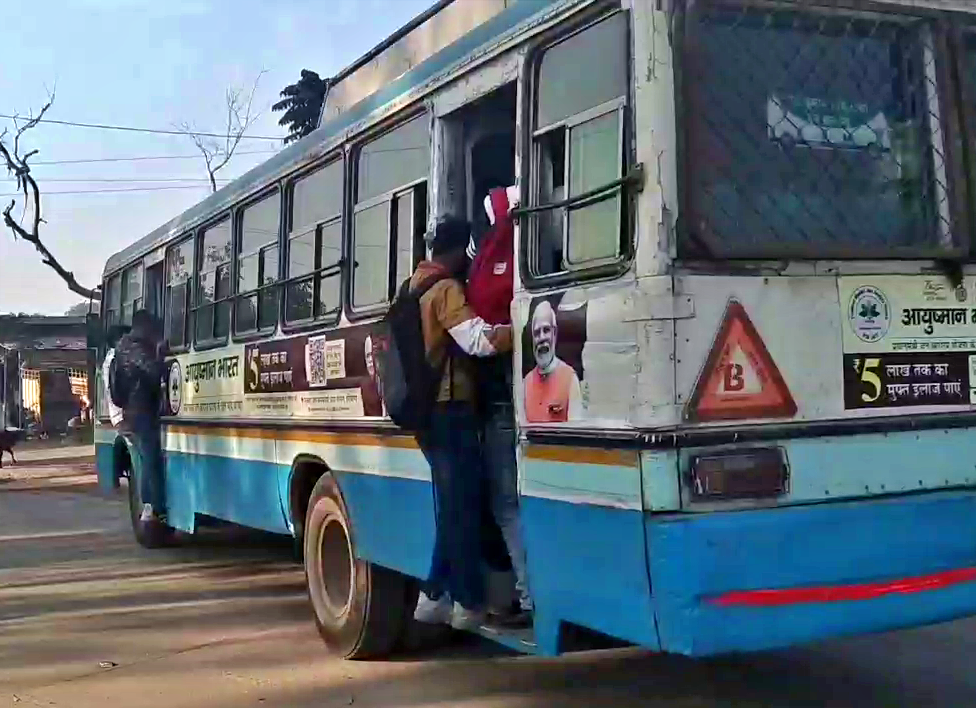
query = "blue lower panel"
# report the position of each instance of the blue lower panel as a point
(241, 491)
(587, 565)
(393, 520)
(104, 455)
(696, 559)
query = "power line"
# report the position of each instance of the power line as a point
(130, 129)
(122, 179)
(112, 190)
(140, 158)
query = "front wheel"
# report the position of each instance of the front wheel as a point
(360, 608)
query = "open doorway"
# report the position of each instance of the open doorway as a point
(479, 154)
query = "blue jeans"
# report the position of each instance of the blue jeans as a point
(502, 470)
(147, 436)
(453, 451)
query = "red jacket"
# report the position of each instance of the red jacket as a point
(490, 278)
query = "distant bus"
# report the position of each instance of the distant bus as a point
(753, 223)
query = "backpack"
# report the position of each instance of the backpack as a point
(409, 381)
(490, 278)
(118, 385)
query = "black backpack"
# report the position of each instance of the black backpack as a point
(409, 381)
(118, 385)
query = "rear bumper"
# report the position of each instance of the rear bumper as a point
(752, 580)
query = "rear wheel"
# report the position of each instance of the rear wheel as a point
(359, 607)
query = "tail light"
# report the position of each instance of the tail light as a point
(757, 473)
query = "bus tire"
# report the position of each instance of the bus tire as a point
(149, 534)
(359, 607)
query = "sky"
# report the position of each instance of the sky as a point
(150, 64)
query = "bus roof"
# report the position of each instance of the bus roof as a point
(391, 70)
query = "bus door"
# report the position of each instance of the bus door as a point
(577, 360)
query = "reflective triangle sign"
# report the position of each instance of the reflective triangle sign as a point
(739, 379)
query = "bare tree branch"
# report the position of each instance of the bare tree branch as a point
(18, 167)
(240, 117)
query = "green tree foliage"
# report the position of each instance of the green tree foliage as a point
(302, 104)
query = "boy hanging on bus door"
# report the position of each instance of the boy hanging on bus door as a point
(490, 290)
(136, 384)
(455, 591)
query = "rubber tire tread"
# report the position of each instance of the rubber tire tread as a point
(375, 622)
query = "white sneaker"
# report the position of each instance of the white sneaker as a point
(147, 513)
(433, 611)
(463, 618)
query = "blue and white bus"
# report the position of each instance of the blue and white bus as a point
(746, 229)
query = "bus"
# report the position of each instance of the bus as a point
(745, 229)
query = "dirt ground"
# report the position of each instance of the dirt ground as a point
(89, 619)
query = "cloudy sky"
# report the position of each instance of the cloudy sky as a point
(152, 64)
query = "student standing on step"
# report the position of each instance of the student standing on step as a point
(490, 289)
(452, 332)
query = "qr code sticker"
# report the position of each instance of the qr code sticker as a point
(315, 370)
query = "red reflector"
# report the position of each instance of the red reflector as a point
(747, 474)
(845, 593)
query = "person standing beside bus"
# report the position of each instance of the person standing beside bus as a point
(452, 333)
(138, 379)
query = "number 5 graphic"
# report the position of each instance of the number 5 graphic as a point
(870, 377)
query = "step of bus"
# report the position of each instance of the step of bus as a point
(520, 640)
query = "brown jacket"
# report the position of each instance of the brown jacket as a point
(449, 323)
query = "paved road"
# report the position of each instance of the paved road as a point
(87, 619)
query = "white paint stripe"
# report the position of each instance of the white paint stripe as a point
(588, 497)
(364, 459)
(400, 463)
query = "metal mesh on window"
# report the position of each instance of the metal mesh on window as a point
(811, 134)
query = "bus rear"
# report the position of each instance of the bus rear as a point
(826, 380)
(769, 419)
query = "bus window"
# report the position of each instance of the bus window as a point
(154, 289)
(179, 266)
(212, 315)
(390, 169)
(257, 266)
(578, 147)
(131, 293)
(313, 266)
(812, 135)
(113, 301)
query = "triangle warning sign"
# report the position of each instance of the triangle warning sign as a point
(739, 379)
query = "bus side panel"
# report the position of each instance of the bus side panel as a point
(753, 580)
(385, 484)
(392, 519)
(584, 537)
(223, 473)
(105, 458)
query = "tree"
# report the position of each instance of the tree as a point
(240, 116)
(17, 163)
(302, 104)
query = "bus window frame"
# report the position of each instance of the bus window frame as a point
(237, 233)
(602, 269)
(106, 289)
(964, 117)
(389, 197)
(945, 61)
(198, 236)
(187, 308)
(124, 294)
(332, 318)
